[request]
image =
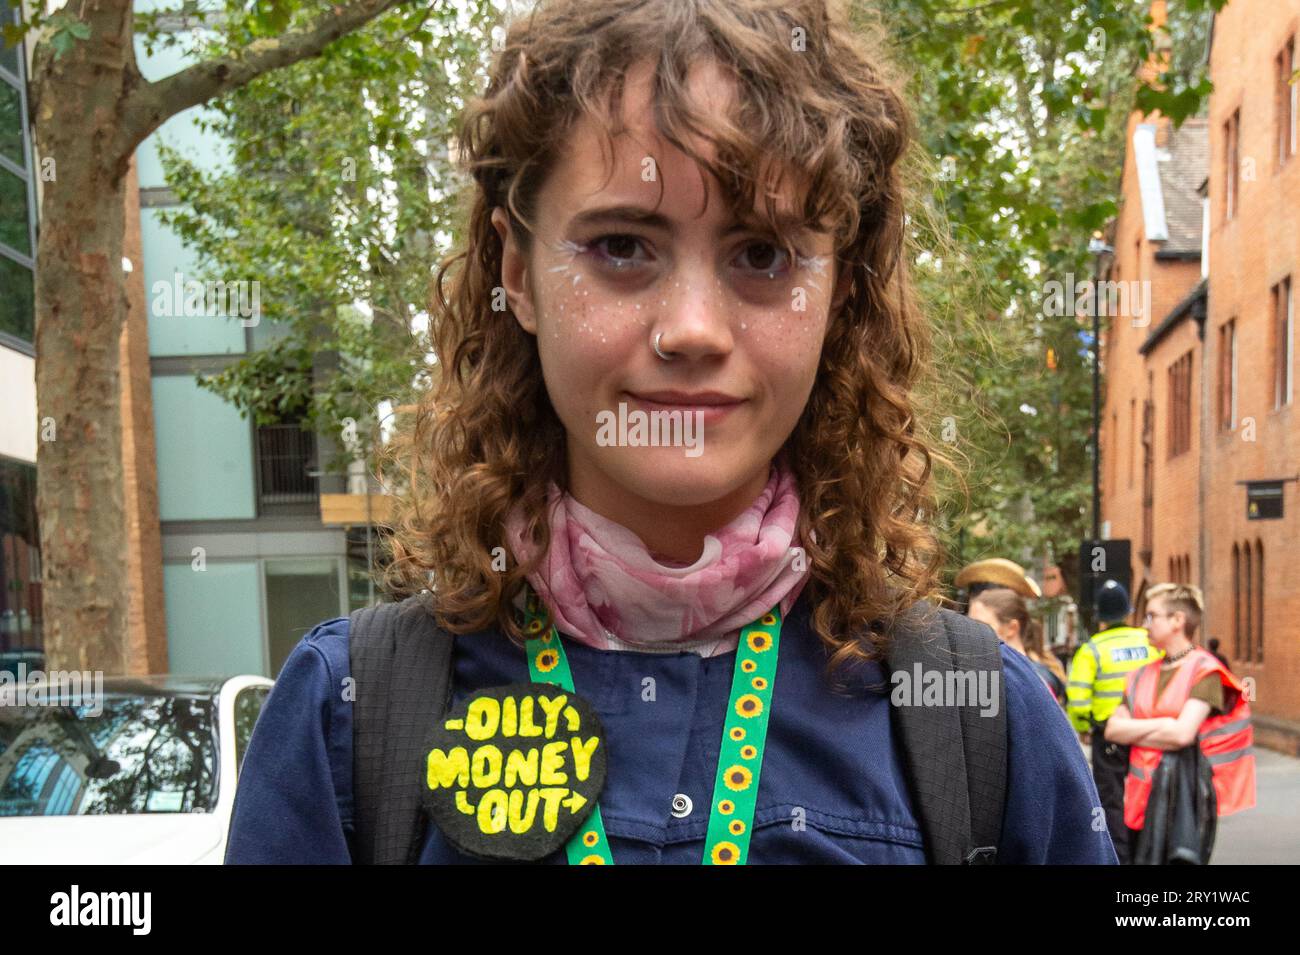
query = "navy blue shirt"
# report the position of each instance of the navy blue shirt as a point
(832, 787)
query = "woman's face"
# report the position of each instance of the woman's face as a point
(1161, 624)
(984, 614)
(609, 268)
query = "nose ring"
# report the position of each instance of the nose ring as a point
(655, 346)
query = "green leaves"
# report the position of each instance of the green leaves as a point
(65, 31)
(13, 33)
(339, 181)
(270, 17)
(1029, 101)
(273, 384)
(1177, 103)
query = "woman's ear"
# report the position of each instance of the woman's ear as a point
(514, 272)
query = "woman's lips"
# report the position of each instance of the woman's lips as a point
(715, 411)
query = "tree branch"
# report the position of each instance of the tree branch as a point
(153, 104)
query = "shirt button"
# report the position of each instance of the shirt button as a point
(682, 806)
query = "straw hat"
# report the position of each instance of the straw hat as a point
(1002, 573)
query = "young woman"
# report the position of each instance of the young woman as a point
(1006, 613)
(693, 208)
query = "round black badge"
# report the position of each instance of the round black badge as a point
(513, 771)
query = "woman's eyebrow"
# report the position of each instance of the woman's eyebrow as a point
(640, 215)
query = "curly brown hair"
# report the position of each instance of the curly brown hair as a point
(817, 97)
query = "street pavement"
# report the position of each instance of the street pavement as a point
(1269, 834)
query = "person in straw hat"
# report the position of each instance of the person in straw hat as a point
(996, 572)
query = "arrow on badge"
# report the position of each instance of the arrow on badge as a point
(575, 802)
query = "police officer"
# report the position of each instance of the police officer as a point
(1097, 677)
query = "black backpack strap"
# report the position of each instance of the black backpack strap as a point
(401, 663)
(956, 759)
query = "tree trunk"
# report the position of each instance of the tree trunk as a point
(91, 110)
(79, 492)
(80, 310)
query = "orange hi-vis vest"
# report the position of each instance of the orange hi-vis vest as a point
(1225, 739)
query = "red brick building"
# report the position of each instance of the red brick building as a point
(1200, 436)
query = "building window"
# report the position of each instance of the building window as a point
(1180, 406)
(1283, 342)
(1247, 594)
(1132, 437)
(20, 560)
(1148, 479)
(1236, 602)
(300, 593)
(1286, 103)
(1112, 466)
(1259, 601)
(17, 198)
(1232, 164)
(286, 467)
(1228, 375)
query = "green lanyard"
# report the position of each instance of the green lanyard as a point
(740, 757)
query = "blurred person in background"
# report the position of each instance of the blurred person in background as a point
(1008, 614)
(995, 572)
(1096, 687)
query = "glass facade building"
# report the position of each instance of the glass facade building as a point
(17, 199)
(20, 594)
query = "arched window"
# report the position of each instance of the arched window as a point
(1236, 602)
(1248, 592)
(1259, 600)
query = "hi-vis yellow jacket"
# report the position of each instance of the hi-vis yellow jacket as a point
(1099, 671)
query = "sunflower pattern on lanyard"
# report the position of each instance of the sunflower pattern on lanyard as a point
(740, 757)
(744, 734)
(548, 664)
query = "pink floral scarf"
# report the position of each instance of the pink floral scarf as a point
(607, 591)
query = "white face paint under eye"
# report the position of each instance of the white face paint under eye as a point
(571, 249)
(815, 263)
(567, 245)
